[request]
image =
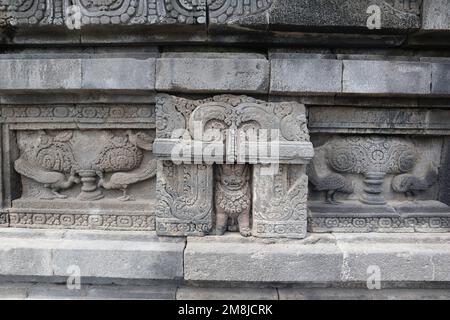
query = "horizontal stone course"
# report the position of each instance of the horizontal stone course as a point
(282, 74)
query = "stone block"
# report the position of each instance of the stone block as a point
(232, 258)
(386, 77)
(300, 76)
(397, 257)
(441, 78)
(118, 74)
(334, 258)
(436, 15)
(40, 74)
(249, 74)
(132, 255)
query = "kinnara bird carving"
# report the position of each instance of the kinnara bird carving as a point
(410, 185)
(121, 180)
(331, 183)
(52, 180)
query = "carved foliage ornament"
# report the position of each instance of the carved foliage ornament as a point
(373, 154)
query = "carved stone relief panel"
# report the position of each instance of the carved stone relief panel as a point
(185, 199)
(280, 202)
(221, 134)
(383, 183)
(101, 12)
(96, 178)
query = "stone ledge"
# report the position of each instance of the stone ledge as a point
(126, 255)
(320, 258)
(247, 73)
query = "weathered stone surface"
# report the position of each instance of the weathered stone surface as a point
(118, 74)
(193, 293)
(77, 74)
(231, 258)
(40, 74)
(213, 73)
(436, 15)
(337, 258)
(128, 256)
(386, 77)
(441, 78)
(305, 75)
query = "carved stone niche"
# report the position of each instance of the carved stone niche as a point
(86, 179)
(231, 163)
(390, 184)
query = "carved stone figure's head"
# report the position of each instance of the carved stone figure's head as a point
(233, 177)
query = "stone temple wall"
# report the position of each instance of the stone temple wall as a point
(266, 149)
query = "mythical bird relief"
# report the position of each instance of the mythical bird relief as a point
(233, 199)
(374, 157)
(388, 185)
(58, 161)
